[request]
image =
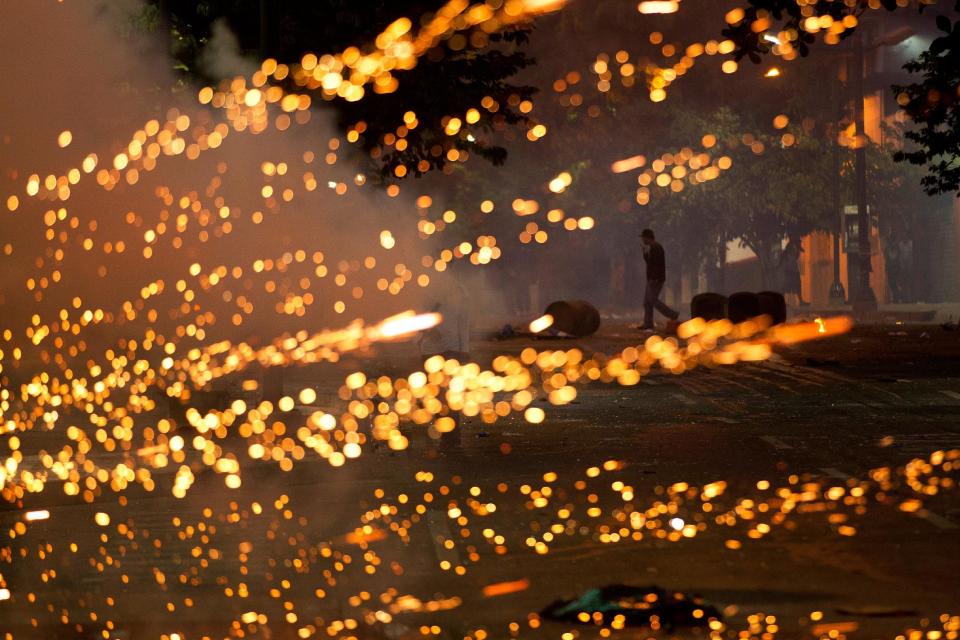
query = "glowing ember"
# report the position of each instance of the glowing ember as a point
(542, 323)
(154, 364)
(658, 6)
(628, 164)
(406, 324)
(504, 588)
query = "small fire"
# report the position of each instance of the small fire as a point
(803, 331)
(542, 323)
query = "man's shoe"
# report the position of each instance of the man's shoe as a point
(646, 327)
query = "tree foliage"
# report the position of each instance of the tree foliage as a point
(774, 189)
(933, 104)
(790, 15)
(452, 77)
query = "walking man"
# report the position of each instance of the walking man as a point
(656, 275)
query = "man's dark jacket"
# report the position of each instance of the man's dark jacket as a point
(656, 262)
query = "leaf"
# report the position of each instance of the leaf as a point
(939, 45)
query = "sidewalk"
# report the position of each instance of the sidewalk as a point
(920, 312)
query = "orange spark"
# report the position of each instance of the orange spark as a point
(504, 588)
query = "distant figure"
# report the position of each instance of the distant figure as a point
(656, 275)
(898, 262)
(451, 338)
(790, 271)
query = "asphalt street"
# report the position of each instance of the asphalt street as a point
(801, 526)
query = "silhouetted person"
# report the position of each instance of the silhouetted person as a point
(656, 275)
(451, 338)
(790, 272)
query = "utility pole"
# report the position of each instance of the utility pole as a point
(837, 294)
(863, 300)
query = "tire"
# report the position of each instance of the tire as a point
(575, 317)
(709, 306)
(742, 306)
(773, 304)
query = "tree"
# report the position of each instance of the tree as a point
(460, 73)
(772, 190)
(748, 26)
(932, 104)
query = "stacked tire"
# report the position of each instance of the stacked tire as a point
(740, 306)
(709, 306)
(772, 304)
(743, 305)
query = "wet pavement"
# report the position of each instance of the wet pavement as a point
(776, 489)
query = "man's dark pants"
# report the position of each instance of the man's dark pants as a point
(651, 301)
